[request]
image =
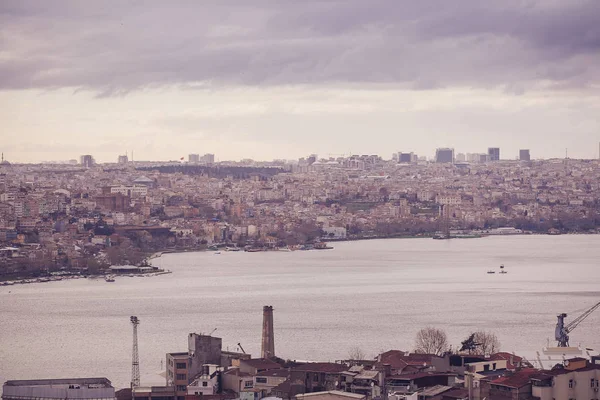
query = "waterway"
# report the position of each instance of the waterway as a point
(373, 294)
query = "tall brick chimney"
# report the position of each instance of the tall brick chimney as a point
(268, 337)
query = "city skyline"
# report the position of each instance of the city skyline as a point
(210, 158)
(287, 79)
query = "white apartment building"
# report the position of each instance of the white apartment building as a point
(130, 190)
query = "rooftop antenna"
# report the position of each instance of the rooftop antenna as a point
(213, 331)
(135, 361)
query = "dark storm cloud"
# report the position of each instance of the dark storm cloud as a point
(117, 46)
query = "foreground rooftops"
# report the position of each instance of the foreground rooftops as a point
(90, 382)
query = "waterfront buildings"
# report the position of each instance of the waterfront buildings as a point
(61, 215)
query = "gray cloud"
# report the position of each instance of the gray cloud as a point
(113, 47)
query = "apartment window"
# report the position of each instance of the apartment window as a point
(494, 366)
(181, 366)
(592, 382)
(181, 377)
(205, 384)
(571, 383)
(261, 380)
(248, 384)
(181, 388)
(486, 367)
(316, 378)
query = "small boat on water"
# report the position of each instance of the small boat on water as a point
(322, 246)
(502, 271)
(217, 252)
(491, 272)
(109, 279)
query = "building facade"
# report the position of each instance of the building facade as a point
(444, 155)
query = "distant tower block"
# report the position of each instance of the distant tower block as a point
(268, 337)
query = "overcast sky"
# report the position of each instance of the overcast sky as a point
(285, 78)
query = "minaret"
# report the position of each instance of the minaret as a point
(268, 336)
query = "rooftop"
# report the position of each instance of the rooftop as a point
(331, 392)
(260, 363)
(518, 379)
(321, 367)
(96, 382)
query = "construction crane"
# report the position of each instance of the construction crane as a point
(241, 348)
(561, 334)
(135, 360)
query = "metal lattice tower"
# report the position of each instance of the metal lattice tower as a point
(135, 360)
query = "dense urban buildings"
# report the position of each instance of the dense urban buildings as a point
(524, 155)
(60, 216)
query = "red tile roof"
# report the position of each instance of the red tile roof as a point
(260, 363)
(321, 367)
(274, 372)
(518, 379)
(398, 359)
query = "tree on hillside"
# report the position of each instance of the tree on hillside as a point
(431, 341)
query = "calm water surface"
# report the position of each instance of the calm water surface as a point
(372, 294)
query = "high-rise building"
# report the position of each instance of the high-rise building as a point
(87, 160)
(405, 157)
(123, 159)
(208, 158)
(444, 155)
(194, 158)
(494, 153)
(524, 155)
(460, 157)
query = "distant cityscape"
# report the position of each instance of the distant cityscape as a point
(84, 217)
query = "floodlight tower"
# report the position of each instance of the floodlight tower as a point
(135, 360)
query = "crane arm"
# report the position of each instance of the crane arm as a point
(580, 319)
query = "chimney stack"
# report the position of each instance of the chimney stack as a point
(268, 337)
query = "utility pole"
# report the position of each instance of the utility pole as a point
(135, 361)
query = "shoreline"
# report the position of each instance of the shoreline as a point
(53, 277)
(159, 254)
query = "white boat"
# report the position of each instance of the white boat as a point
(491, 272)
(109, 279)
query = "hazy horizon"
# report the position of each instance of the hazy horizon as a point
(283, 80)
